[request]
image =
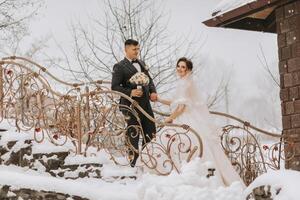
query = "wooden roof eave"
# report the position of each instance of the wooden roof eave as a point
(241, 12)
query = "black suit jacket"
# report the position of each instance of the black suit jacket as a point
(122, 72)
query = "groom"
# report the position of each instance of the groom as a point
(122, 72)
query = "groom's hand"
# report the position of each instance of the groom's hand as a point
(153, 97)
(136, 93)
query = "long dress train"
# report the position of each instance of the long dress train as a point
(197, 116)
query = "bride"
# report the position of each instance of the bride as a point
(188, 108)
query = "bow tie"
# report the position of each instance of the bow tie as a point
(134, 61)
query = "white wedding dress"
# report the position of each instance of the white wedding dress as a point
(197, 116)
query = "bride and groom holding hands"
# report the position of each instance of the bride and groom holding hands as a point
(186, 105)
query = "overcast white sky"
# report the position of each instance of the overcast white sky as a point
(239, 48)
(236, 48)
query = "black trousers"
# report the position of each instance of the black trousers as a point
(147, 130)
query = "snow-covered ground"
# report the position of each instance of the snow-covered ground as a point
(190, 184)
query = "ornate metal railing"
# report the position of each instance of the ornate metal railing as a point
(88, 115)
(252, 150)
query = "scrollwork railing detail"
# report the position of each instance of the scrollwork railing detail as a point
(89, 116)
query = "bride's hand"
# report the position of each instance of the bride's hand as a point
(168, 120)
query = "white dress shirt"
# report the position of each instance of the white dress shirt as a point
(136, 65)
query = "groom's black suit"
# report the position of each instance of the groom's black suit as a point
(122, 72)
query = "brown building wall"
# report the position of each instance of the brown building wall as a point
(288, 29)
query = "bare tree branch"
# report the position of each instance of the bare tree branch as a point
(266, 67)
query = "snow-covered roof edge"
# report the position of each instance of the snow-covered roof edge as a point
(228, 5)
(233, 10)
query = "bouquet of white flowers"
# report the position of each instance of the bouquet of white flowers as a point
(140, 79)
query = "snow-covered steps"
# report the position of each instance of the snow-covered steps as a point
(15, 153)
(191, 184)
(55, 165)
(11, 193)
(85, 188)
(77, 171)
(21, 150)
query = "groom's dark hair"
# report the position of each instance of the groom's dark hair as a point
(131, 42)
(189, 63)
